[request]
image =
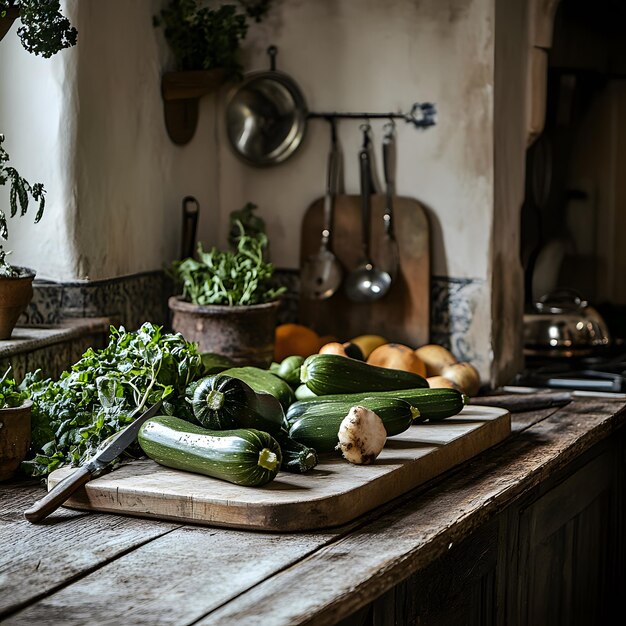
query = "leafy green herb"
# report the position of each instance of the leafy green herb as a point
(253, 225)
(202, 38)
(11, 395)
(231, 278)
(102, 392)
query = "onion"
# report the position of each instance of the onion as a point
(465, 376)
(436, 358)
(362, 436)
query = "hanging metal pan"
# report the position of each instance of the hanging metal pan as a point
(266, 116)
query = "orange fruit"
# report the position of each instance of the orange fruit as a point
(294, 339)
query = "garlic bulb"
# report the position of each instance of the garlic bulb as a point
(362, 436)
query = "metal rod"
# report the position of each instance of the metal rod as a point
(422, 115)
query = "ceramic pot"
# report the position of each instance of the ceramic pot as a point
(15, 294)
(245, 334)
(12, 13)
(14, 438)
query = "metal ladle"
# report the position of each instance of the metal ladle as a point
(322, 272)
(366, 283)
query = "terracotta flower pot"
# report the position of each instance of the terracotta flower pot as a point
(15, 294)
(243, 333)
(14, 438)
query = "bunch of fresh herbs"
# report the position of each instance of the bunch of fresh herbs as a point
(231, 278)
(103, 392)
(11, 394)
(203, 38)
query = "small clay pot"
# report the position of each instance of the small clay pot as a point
(245, 334)
(14, 438)
(15, 294)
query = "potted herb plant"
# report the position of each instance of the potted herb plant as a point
(15, 407)
(228, 304)
(205, 42)
(43, 31)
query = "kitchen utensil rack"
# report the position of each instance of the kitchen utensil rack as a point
(421, 115)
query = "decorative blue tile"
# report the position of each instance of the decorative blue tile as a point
(453, 303)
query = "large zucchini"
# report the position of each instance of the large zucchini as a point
(433, 404)
(316, 424)
(223, 402)
(263, 381)
(326, 374)
(245, 456)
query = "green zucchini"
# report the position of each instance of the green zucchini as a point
(297, 457)
(326, 374)
(245, 456)
(289, 369)
(433, 404)
(316, 424)
(214, 363)
(303, 392)
(223, 402)
(263, 381)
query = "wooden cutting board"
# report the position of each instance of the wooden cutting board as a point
(333, 493)
(403, 315)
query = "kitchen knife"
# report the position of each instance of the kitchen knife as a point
(61, 492)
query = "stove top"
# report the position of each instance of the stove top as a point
(592, 373)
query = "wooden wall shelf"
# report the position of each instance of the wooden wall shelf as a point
(181, 92)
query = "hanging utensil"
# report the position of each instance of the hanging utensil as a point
(366, 283)
(322, 272)
(191, 208)
(390, 254)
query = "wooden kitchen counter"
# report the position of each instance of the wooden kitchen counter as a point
(529, 532)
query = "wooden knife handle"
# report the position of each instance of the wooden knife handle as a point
(58, 495)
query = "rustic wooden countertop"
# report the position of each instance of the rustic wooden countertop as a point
(79, 567)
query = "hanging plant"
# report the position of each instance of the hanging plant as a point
(203, 38)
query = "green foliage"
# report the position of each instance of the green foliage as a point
(203, 38)
(225, 277)
(44, 30)
(101, 393)
(11, 395)
(19, 198)
(253, 225)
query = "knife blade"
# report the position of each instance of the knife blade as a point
(62, 491)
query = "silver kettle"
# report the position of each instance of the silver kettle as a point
(563, 324)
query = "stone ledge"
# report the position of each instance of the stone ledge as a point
(51, 349)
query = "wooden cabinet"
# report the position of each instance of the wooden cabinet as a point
(555, 556)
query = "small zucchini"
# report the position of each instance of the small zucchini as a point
(316, 424)
(263, 381)
(223, 402)
(326, 374)
(289, 369)
(303, 392)
(433, 404)
(244, 456)
(297, 458)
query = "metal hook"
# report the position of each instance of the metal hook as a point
(389, 127)
(272, 51)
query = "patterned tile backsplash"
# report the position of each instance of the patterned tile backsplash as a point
(132, 300)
